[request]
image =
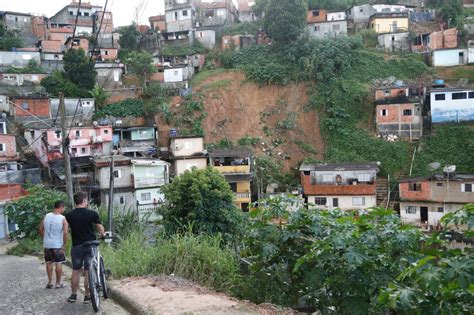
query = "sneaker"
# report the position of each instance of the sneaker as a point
(72, 298)
(87, 299)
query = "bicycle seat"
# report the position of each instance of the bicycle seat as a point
(91, 243)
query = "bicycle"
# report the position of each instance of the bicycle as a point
(96, 275)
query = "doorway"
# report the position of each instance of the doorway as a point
(424, 214)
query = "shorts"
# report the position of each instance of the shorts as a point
(55, 255)
(81, 256)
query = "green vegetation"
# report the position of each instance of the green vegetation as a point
(27, 246)
(129, 37)
(204, 75)
(448, 145)
(189, 121)
(217, 85)
(342, 5)
(198, 258)
(9, 39)
(77, 79)
(140, 63)
(32, 67)
(289, 123)
(195, 48)
(28, 212)
(248, 141)
(285, 19)
(127, 107)
(308, 148)
(100, 95)
(201, 202)
(242, 28)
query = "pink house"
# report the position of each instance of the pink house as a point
(84, 141)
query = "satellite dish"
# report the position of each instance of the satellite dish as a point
(434, 166)
(449, 169)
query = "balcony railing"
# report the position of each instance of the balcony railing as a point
(233, 169)
(243, 195)
(150, 182)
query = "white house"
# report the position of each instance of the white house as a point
(336, 16)
(178, 74)
(451, 105)
(449, 57)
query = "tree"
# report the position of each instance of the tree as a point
(201, 200)
(28, 211)
(56, 83)
(140, 63)
(129, 37)
(100, 95)
(441, 280)
(451, 12)
(285, 20)
(79, 69)
(9, 39)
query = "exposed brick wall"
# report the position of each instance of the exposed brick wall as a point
(332, 190)
(394, 92)
(406, 194)
(444, 39)
(322, 17)
(395, 113)
(11, 191)
(37, 106)
(9, 152)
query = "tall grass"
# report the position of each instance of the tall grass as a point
(197, 258)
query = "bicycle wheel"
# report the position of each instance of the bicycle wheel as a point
(103, 281)
(94, 287)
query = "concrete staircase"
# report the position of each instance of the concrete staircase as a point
(383, 189)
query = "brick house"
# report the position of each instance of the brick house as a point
(444, 39)
(158, 22)
(346, 186)
(8, 148)
(26, 106)
(425, 200)
(315, 16)
(398, 112)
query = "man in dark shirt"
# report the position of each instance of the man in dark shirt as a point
(84, 223)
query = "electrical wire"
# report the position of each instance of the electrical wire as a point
(98, 31)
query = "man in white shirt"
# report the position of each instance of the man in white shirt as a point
(54, 229)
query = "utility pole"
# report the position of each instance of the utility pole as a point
(111, 192)
(65, 145)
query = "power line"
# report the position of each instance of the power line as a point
(98, 31)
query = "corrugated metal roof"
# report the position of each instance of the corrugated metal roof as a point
(237, 152)
(340, 166)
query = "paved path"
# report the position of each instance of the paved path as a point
(22, 282)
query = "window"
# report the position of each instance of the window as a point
(440, 209)
(185, 12)
(25, 106)
(316, 28)
(328, 178)
(467, 188)
(410, 210)
(71, 12)
(439, 184)
(315, 13)
(106, 52)
(77, 133)
(74, 151)
(2, 147)
(459, 96)
(384, 112)
(122, 200)
(471, 94)
(106, 132)
(3, 129)
(363, 178)
(176, 16)
(335, 27)
(335, 202)
(57, 133)
(118, 173)
(145, 196)
(414, 187)
(358, 201)
(86, 13)
(440, 97)
(83, 150)
(407, 112)
(387, 93)
(320, 201)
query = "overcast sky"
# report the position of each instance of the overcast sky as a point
(123, 10)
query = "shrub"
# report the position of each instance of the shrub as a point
(127, 107)
(201, 199)
(27, 247)
(248, 141)
(198, 258)
(28, 211)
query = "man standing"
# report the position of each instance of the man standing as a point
(83, 222)
(53, 229)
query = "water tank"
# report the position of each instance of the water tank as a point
(398, 83)
(439, 82)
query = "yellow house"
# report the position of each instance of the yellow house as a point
(234, 164)
(390, 22)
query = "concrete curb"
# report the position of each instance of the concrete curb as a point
(121, 299)
(126, 302)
